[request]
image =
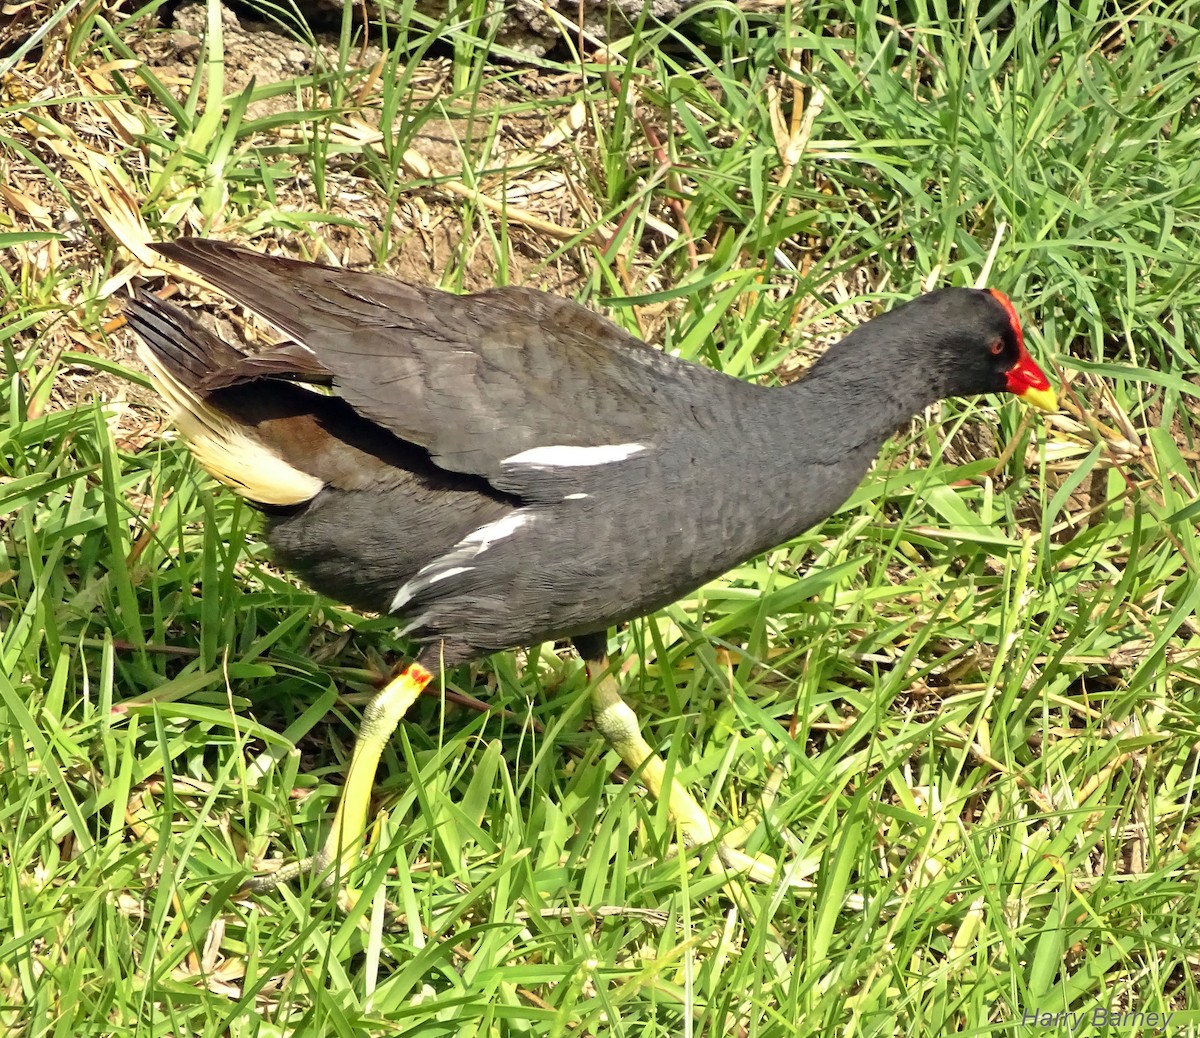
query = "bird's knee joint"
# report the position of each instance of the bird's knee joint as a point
(616, 722)
(375, 712)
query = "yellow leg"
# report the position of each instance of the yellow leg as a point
(619, 726)
(344, 843)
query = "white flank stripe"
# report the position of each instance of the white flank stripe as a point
(452, 563)
(562, 456)
(402, 598)
(450, 573)
(486, 536)
(576, 497)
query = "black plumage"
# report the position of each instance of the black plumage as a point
(508, 468)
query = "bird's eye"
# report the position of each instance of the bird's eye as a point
(997, 347)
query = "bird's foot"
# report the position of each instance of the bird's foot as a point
(319, 865)
(265, 882)
(618, 724)
(343, 847)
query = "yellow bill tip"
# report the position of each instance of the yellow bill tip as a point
(1043, 399)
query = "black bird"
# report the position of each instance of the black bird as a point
(508, 468)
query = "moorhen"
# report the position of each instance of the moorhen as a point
(508, 468)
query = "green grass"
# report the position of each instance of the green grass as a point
(980, 677)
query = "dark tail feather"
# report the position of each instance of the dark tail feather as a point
(182, 345)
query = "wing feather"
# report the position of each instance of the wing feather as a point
(473, 379)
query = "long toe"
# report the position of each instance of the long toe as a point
(618, 724)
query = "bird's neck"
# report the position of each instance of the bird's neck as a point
(852, 400)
